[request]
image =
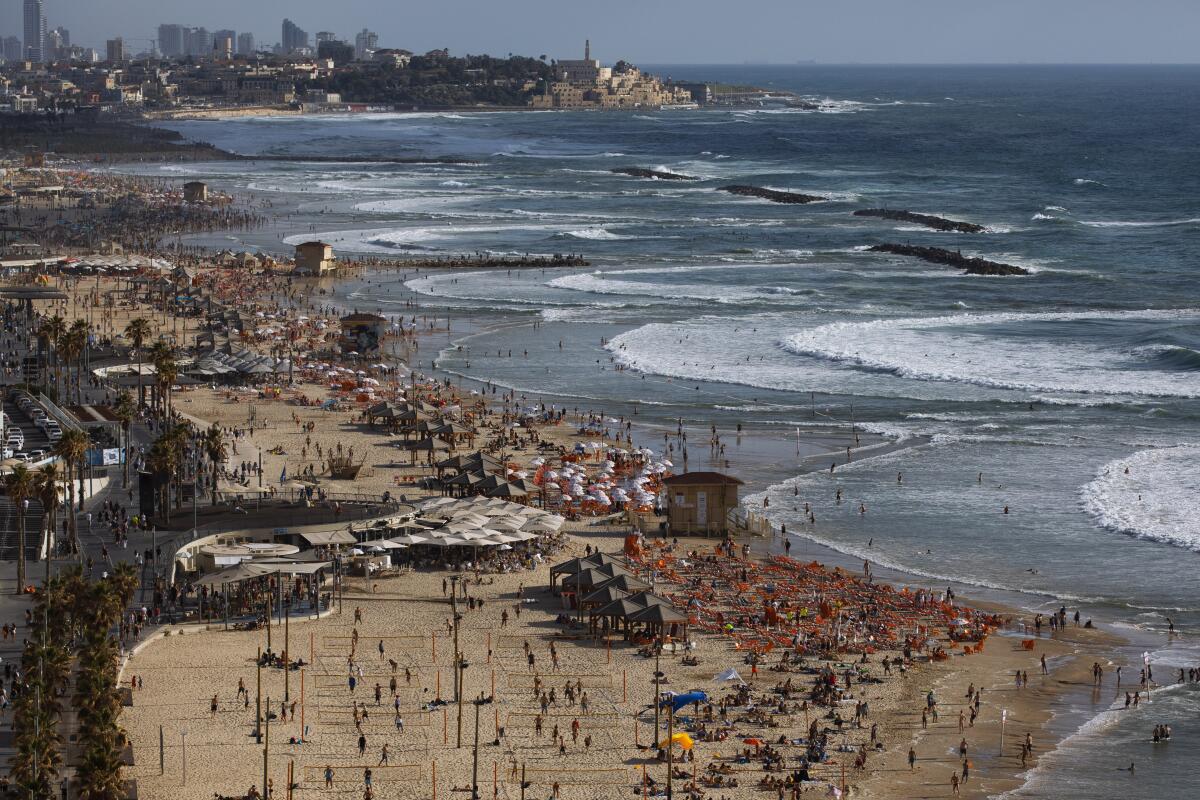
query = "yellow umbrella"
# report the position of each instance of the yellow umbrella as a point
(681, 739)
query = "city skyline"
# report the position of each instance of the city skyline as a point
(700, 31)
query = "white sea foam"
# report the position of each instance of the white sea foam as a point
(959, 349)
(1152, 494)
(595, 234)
(597, 283)
(1168, 223)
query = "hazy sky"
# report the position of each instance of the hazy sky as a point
(687, 31)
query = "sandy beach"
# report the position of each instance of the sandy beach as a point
(285, 427)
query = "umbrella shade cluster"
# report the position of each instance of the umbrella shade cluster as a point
(245, 363)
(478, 522)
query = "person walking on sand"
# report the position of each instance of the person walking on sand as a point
(328, 776)
(383, 755)
(954, 783)
(912, 760)
(212, 706)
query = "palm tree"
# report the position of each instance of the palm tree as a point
(52, 330)
(72, 448)
(19, 483)
(162, 353)
(162, 462)
(125, 408)
(77, 338)
(46, 482)
(70, 347)
(137, 332)
(214, 448)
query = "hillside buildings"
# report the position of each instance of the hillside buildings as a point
(587, 84)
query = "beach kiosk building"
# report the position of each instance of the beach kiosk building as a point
(698, 503)
(195, 192)
(314, 258)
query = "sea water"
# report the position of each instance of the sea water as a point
(1054, 419)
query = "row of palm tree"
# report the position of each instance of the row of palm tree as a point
(24, 484)
(165, 460)
(73, 623)
(68, 345)
(46, 668)
(96, 699)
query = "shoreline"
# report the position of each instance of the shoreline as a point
(991, 667)
(916, 583)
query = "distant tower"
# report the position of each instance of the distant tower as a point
(587, 49)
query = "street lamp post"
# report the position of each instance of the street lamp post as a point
(480, 701)
(183, 744)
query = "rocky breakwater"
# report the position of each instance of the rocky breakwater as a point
(928, 220)
(951, 258)
(656, 174)
(774, 195)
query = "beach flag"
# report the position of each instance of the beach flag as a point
(283, 475)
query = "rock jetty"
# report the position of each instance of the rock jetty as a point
(774, 195)
(642, 172)
(928, 220)
(951, 258)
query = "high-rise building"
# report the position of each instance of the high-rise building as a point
(12, 49)
(171, 40)
(245, 44)
(326, 36)
(115, 51)
(365, 43)
(35, 31)
(294, 37)
(199, 43)
(54, 44)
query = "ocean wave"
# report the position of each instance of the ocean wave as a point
(1168, 223)
(957, 349)
(594, 234)
(1086, 182)
(1152, 495)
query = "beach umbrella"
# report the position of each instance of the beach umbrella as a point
(356, 551)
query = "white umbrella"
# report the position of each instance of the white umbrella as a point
(408, 539)
(356, 551)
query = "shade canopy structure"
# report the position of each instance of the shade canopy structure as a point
(625, 583)
(576, 565)
(408, 539)
(658, 614)
(603, 596)
(327, 538)
(584, 580)
(507, 490)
